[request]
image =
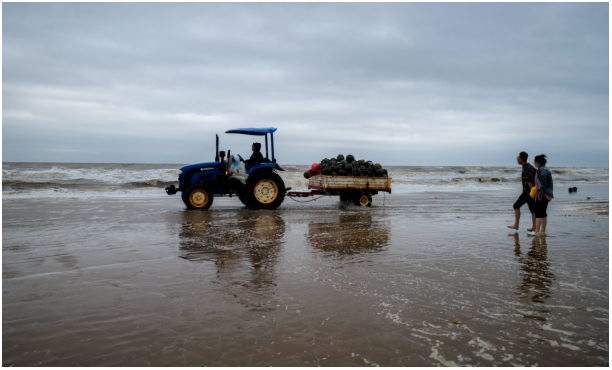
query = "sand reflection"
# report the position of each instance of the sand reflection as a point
(536, 273)
(245, 249)
(348, 234)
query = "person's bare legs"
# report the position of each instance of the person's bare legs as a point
(517, 217)
(533, 221)
(538, 224)
(543, 225)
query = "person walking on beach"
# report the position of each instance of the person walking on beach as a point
(527, 180)
(544, 182)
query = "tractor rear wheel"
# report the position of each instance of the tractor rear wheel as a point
(198, 197)
(265, 190)
(363, 200)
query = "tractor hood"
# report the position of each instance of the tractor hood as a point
(199, 166)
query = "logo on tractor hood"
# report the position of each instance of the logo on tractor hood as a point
(207, 168)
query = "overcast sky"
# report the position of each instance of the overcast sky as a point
(413, 83)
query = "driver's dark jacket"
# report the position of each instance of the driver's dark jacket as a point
(256, 158)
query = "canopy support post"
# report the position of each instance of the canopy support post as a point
(267, 147)
(272, 144)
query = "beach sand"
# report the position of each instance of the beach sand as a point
(413, 281)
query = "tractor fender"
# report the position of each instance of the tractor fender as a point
(265, 166)
(255, 171)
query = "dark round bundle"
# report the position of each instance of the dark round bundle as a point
(350, 166)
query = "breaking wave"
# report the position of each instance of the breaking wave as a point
(83, 180)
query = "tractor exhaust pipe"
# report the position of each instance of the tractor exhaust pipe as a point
(217, 150)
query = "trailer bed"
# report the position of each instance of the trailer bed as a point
(362, 183)
(359, 189)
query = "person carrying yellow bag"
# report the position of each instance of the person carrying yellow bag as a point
(527, 176)
(544, 182)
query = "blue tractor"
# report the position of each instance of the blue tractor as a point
(264, 188)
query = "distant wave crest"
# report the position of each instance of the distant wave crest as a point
(41, 180)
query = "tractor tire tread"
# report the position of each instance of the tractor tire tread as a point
(249, 196)
(189, 190)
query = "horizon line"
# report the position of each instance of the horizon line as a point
(306, 164)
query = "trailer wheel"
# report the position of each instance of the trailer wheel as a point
(265, 190)
(363, 201)
(198, 197)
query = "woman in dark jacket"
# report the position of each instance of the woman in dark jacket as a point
(544, 183)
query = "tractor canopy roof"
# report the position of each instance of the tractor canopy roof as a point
(252, 131)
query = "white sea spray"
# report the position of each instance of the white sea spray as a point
(90, 180)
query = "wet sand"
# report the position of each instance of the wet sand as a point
(135, 282)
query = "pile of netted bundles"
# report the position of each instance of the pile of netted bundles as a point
(340, 166)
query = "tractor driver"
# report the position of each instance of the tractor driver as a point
(256, 157)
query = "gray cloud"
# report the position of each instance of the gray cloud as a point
(415, 83)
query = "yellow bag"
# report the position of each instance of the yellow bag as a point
(534, 192)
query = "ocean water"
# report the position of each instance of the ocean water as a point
(92, 180)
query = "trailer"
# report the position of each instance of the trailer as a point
(358, 189)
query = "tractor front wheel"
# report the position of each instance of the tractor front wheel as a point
(265, 190)
(198, 197)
